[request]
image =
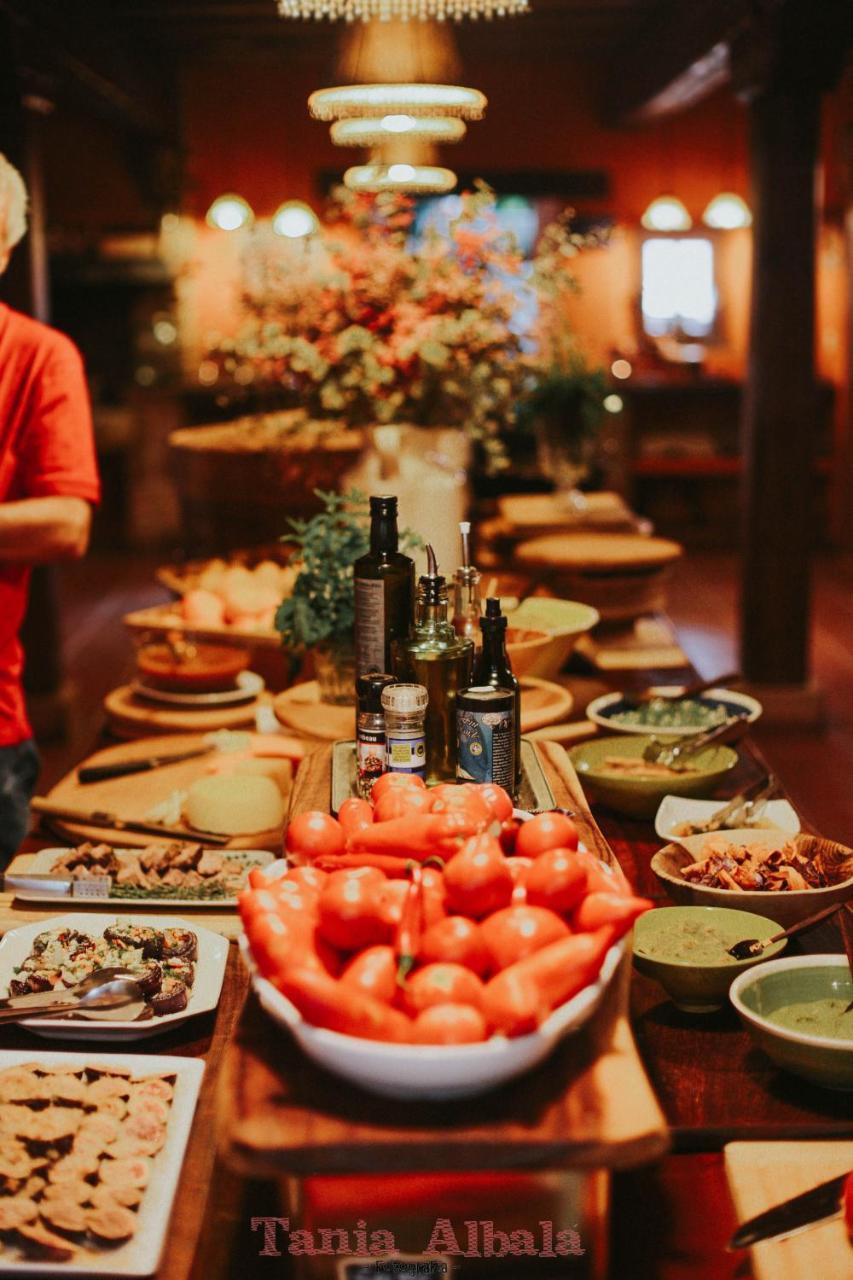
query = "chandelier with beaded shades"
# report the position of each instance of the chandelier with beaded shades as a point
(386, 10)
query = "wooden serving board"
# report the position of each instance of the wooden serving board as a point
(132, 716)
(599, 551)
(763, 1174)
(532, 513)
(647, 644)
(299, 709)
(134, 795)
(590, 1105)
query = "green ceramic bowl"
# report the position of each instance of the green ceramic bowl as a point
(640, 797)
(796, 980)
(697, 983)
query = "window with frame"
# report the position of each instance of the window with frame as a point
(678, 290)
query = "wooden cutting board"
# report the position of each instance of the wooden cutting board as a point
(646, 644)
(762, 1174)
(589, 1106)
(132, 716)
(134, 795)
(300, 709)
(529, 513)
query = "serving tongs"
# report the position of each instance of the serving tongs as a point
(645, 696)
(741, 811)
(673, 755)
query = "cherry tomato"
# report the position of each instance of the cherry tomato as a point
(466, 799)
(498, 800)
(518, 931)
(546, 831)
(355, 814)
(457, 940)
(374, 972)
(478, 879)
(387, 781)
(449, 1023)
(557, 879)
(440, 983)
(399, 802)
(350, 918)
(313, 833)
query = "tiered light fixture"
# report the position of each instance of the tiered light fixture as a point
(378, 101)
(366, 132)
(417, 179)
(385, 10)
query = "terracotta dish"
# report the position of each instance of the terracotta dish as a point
(202, 667)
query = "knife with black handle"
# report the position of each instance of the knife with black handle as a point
(121, 768)
(793, 1215)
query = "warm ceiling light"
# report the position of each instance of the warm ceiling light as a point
(229, 213)
(405, 9)
(727, 212)
(667, 213)
(397, 124)
(621, 369)
(378, 101)
(295, 220)
(415, 178)
(373, 133)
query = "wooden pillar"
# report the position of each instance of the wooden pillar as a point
(783, 62)
(780, 401)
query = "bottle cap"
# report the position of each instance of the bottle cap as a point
(384, 505)
(493, 618)
(369, 690)
(405, 699)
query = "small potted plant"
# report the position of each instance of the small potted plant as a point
(319, 616)
(565, 410)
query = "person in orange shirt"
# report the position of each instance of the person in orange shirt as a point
(48, 485)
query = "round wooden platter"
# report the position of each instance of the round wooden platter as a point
(300, 709)
(598, 552)
(529, 514)
(130, 715)
(133, 796)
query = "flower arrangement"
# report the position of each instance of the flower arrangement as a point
(362, 327)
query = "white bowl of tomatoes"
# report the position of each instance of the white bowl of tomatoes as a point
(415, 953)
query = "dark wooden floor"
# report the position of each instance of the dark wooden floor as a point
(672, 1222)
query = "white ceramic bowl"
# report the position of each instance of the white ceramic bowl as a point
(433, 1071)
(674, 810)
(601, 711)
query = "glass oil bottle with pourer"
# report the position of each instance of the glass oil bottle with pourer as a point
(466, 592)
(437, 658)
(384, 591)
(492, 667)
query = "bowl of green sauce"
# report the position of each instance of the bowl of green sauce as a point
(685, 949)
(797, 1011)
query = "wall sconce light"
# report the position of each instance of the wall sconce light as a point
(727, 212)
(295, 220)
(667, 213)
(229, 213)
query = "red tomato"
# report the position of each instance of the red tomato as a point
(314, 833)
(546, 831)
(450, 1024)
(457, 940)
(387, 781)
(374, 972)
(518, 931)
(498, 800)
(440, 984)
(399, 802)
(354, 814)
(465, 799)
(350, 918)
(557, 879)
(478, 879)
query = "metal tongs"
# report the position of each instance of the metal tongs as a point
(673, 755)
(741, 811)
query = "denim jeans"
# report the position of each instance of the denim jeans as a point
(19, 770)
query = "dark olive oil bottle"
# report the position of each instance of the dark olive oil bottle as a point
(384, 591)
(492, 667)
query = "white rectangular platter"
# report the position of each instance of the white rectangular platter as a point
(203, 996)
(674, 810)
(139, 1256)
(42, 865)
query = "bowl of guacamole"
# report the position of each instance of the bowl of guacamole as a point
(685, 949)
(797, 1010)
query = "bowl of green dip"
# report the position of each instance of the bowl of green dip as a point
(796, 1010)
(685, 949)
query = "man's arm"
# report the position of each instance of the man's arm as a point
(36, 530)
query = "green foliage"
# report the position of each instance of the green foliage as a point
(567, 401)
(322, 606)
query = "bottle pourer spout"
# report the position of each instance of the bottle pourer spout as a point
(465, 530)
(432, 563)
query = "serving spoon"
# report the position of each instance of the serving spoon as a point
(100, 992)
(754, 946)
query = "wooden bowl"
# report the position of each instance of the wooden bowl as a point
(205, 668)
(525, 647)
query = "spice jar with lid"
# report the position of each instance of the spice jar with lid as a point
(370, 730)
(405, 737)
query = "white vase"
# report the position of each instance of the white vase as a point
(427, 468)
